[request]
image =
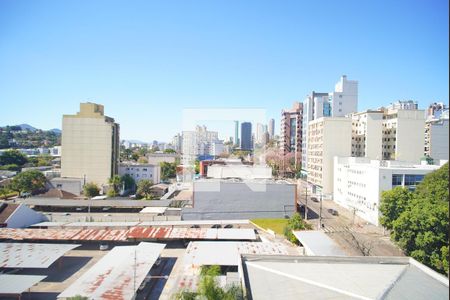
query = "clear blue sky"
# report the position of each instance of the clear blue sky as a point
(147, 60)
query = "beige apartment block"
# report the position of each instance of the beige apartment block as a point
(403, 137)
(327, 138)
(367, 134)
(90, 145)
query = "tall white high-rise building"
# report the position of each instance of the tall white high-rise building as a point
(90, 145)
(327, 137)
(271, 128)
(339, 103)
(437, 137)
(260, 134)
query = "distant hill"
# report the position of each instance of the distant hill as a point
(56, 130)
(27, 127)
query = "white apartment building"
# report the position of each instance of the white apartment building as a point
(388, 134)
(327, 138)
(141, 171)
(359, 182)
(197, 143)
(339, 103)
(405, 104)
(217, 148)
(90, 145)
(436, 138)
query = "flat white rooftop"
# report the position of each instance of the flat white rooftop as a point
(316, 242)
(227, 253)
(24, 255)
(118, 274)
(17, 284)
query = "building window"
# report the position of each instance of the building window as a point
(413, 180)
(397, 180)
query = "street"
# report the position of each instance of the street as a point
(352, 233)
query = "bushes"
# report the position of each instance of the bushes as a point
(295, 223)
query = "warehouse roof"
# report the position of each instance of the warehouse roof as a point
(118, 274)
(314, 277)
(93, 203)
(21, 255)
(228, 253)
(17, 284)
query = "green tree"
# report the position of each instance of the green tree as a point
(115, 183)
(169, 151)
(90, 190)
(10, 167)
(31, 181)
(295, 223)
(128, 181)
(144, 189)
(209, 289)
(13, 157)
(134, 156)
(142, 160)
(393, 203)
(421, 230)
(168, 170)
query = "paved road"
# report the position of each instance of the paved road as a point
(352, 233)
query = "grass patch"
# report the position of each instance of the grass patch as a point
(277, 225)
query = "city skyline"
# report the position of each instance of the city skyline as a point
(160, 59)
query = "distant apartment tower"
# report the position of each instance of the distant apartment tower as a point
(90, 145)
(177, 142)
(236, 133)
(291, 131)
(405, 104)
(436, 110)
(271, 128)
(246, 136)
(261, 131)
(327, 137)
(436, 138)
(198, 143)
(339, 103)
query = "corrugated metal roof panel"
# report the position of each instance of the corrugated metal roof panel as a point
(118, 274)
(21, 255)
(17, 284)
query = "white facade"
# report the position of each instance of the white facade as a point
(141, 171)
(327, 138)
(198, 142)
(367, 134)
(436, 139)
(403, 137)
(239, 171)
(217, 148)
(358, 182)
(344, 99)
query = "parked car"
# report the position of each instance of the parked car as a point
(103, 247)
(333, 212)
(195, 226)
(228, 226)
(216, 226)
(314, 199)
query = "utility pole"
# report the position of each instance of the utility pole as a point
(306, 202)
(320, 212)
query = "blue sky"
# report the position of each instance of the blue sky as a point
(148, 60)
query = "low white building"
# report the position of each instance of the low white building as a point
(358, 182)
(141, 171)
(239, 171)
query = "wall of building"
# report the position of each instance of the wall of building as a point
(359, 182)
(89, 145)
(73, 185)
(327, 138)
(439, 141)
(141, 171)
(156, 159)
(410, 137)
(220, 200)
